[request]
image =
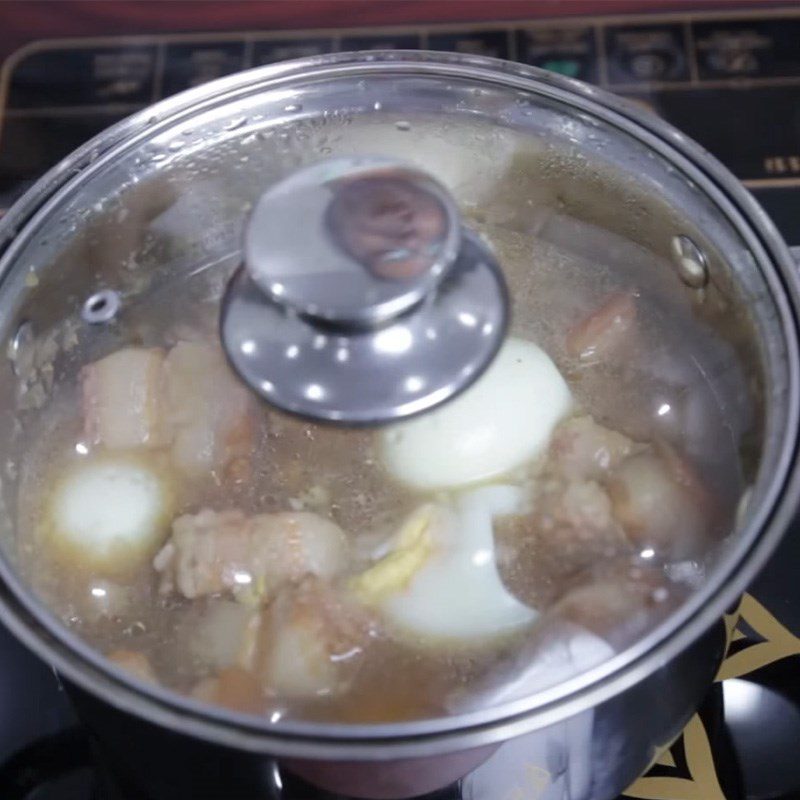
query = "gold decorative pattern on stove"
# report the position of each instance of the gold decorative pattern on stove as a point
(764, 641)
(696, 781)
(686, 770)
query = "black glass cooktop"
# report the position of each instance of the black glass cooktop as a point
(731, 81)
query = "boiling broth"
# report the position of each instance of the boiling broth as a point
(654, 395)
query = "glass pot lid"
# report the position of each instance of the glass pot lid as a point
(581, 503)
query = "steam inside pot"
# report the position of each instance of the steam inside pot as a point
(541, 522)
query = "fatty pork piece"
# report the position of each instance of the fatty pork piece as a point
(123, 404)
(619, 601)
(570, 528)
(601, 495)
(209, 413)
(582, 449)
(609, 332)
(186, 399)
(232, 687)
(311, 642)
(652, 493)
(308, 642)
(135, 663)
(251, 557)
(663, 505)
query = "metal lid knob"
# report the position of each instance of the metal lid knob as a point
(352, 241)
(361, 299)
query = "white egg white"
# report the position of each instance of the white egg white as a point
(457, 593)
(109, 512)
(503, 421)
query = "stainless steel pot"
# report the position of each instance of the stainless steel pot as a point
(601, 161)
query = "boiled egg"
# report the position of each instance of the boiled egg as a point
(439, 580)
(500, 423)
(471, 173)
(109, 512)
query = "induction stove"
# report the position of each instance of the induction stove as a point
(729, 79)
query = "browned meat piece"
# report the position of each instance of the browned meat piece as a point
(123, 401)
(214, 633)
(210, 415)
(234, 688)
(312, 640)
(308, 642)
(601, 496)
(137, 664)
(570, 529)
(662, 504)
(213, 552)
(574, 529)
(583, 450)
(619, 601)
(607, 332)
(188, 400)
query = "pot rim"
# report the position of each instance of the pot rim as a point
(41, 632)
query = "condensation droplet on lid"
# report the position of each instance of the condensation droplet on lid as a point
(743, 506)
(660, 595)
(403, 125)
(235, 123)
(20, 349)
(293, 107)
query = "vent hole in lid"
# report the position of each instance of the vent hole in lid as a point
(101, 307)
